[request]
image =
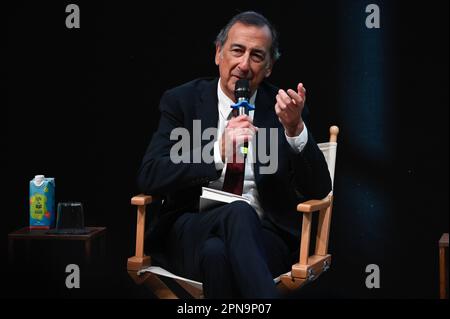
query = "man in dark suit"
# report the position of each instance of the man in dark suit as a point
(236, 249)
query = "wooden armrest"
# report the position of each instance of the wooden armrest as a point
(141, 199)
(140, 260)
(313, 205)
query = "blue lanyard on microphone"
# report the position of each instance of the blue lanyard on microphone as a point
(243, 103)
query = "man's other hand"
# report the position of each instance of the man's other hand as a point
(289, 107)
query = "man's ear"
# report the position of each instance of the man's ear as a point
(217, 58)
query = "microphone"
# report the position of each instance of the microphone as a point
(242, 95)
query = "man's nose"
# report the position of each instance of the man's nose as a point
(244, 64)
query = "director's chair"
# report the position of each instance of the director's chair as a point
(307, 269)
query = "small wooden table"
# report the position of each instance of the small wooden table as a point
(443, 274)
(28, 235)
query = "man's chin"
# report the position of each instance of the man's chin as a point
(233, 81)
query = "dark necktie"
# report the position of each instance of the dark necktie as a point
(234, 176)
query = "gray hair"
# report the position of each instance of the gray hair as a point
(254, 19)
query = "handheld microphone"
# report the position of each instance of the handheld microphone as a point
(242, 95)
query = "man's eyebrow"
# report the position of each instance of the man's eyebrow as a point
(233, 45)
(240, 46)
(261, 51)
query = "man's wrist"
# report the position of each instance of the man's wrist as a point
(298, 142)
(296, 130)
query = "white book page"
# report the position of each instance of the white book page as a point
(211, 198)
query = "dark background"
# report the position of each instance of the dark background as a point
(83, 103)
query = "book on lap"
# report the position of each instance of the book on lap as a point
(212, 198)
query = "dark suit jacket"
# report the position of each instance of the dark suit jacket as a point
(299, 176)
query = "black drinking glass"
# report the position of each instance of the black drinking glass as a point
(70, 215)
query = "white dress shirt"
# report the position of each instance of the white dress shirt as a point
(249, 190)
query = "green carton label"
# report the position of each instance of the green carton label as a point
(38, 206)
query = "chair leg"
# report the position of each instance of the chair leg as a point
(154, 283)
(442, 274)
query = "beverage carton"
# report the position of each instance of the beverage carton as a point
(42, 202)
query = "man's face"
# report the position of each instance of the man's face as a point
(244, 55)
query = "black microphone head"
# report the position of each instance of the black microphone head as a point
(242, 89)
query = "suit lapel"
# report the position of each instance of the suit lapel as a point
(208, 105)
(263, 108)
(263, 118)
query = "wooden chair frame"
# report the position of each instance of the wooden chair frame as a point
(308, 268)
